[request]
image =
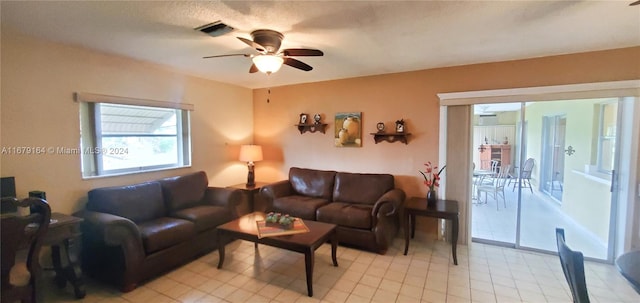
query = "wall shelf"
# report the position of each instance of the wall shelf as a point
(312, 128)
(391, 137)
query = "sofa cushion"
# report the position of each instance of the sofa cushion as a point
(165, 232)
(205, 216)
(311, 182)
(361, 188)
(138, 202)
(184, 191)
(298, 206)
(346, 214)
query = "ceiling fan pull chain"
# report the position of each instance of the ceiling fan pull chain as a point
(268, 94)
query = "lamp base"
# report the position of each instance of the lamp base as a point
(251, 177)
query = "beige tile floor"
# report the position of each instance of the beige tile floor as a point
(485, 274)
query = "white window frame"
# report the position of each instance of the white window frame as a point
(601, 138)
(91, 134)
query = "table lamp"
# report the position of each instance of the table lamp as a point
(250, 154)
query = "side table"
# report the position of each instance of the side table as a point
(250, 192)
(64, 232)
(443, 209)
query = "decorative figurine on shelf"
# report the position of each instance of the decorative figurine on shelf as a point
(303, 118)
(380, 127)
(316, 119)
(400, 126)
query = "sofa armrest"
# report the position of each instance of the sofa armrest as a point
(389, 204)
(113, 230)
(228, 198)
(276, 190)
(385, 218)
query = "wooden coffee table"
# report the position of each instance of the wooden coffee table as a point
(244, 228)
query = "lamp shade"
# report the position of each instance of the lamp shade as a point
(268, 63)
(250, 153)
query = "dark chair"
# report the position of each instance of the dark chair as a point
(21, 243)
(573, 267)
(525, 174)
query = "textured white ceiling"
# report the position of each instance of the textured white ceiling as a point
(359, 38)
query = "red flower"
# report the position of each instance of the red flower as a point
(431, 179)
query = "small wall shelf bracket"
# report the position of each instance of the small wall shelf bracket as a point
(312, 128)
(391, 137)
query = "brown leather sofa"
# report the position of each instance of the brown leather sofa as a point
(135, 232)
(365, 207)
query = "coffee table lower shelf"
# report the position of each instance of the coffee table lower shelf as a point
(244, 228)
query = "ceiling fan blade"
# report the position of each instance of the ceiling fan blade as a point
(253, 69)
(302, 52)
(297, 64)
(635, 3)
(257, 46)
(229, 55)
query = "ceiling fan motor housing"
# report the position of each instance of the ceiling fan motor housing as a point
(270, 39)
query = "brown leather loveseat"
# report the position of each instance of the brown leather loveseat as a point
(135, 232)
(365, 207)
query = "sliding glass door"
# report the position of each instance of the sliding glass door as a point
(566, 155)
(495, 140)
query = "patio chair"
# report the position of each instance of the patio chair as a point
(488, 178)
(496, 188)
(525, 175)
(481, 177)
(495, 167)
(556, 179)
(573, 267)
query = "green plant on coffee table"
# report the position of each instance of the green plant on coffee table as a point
(273, 217)
(280, 220)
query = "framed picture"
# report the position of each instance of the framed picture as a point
(303, 118)
(400, 126)
(348, 129)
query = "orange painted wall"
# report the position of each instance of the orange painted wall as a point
(412, 96)
(381, 98)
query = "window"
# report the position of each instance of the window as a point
(607, 136)
(119, 138)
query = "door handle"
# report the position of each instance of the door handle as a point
(613, 179)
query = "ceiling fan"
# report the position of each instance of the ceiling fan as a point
(635, 3)
(270, 58)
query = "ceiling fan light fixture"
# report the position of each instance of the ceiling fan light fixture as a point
(268, 63)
